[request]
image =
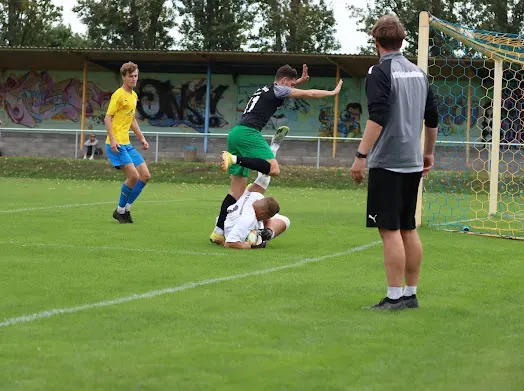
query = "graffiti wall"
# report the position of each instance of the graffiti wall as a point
(452, 102)
(170, 102)
(50, 100)
(177, 103)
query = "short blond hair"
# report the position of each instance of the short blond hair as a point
(389, 32)
(271, 205)
(128, 67)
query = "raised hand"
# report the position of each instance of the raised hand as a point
(305, 76)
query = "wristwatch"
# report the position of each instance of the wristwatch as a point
(361, 155)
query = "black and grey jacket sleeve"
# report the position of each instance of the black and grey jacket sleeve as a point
(431, 112)
(378, 90)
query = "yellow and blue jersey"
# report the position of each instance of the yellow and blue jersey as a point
(122, 107)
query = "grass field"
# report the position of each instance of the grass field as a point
(88, 304)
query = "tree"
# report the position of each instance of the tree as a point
(296, 26)
(136, 24)
(215, 24)
(407, 11)
(500, 15)
(34, 23)
(63, 36)
(506, 16)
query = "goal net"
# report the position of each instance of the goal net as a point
(478, 79)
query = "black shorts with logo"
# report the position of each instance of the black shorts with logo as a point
(392, 199)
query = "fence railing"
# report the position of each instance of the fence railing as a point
(205, 136)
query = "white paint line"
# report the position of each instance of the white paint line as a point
(80, 205)
(140, 250)
(53, 207)
(150, 294)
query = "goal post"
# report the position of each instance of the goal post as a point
(477, 76)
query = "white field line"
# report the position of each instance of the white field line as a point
(79, 205)
(140, 250)
(53, 207)
(180, 288)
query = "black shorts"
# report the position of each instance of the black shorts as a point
(392, 199)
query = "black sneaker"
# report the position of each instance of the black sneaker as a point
(410, 301)
(128, 217)
(119, 217)
(389, 304)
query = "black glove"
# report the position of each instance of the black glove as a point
(265, 234)
(261, 245)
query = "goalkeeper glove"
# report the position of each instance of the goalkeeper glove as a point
(266, 234)
(261, 245)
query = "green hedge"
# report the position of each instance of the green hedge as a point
(291, 176)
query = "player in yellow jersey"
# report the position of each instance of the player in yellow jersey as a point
(120, 117)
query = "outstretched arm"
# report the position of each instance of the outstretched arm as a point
(314, 94)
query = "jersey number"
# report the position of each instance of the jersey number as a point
(251, 104)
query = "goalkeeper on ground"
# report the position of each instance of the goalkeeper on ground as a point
(253, 211)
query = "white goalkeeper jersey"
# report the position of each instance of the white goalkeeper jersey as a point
(241, 218)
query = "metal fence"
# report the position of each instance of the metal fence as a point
(454, 155)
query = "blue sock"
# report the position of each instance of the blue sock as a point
(136, 192)
(124, 195)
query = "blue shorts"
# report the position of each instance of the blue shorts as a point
(127, 154)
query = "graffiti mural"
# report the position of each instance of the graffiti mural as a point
(164, 105)
(177, 103)
(32, 98)
(512, 126)
(348, 121)
(453, 114)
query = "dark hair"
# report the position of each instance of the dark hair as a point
(128, 67)
(354, 105)
(286, 71)
(389, 32)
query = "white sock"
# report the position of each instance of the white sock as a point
(410, 290)
(120, 210)
(218, 230)
(234, 158)
(274, 148)
(394, 292)
(128, 207)
(262, 180)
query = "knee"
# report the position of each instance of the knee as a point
(133, 178)
(274, 169)
(145, 177)
(284, 219)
